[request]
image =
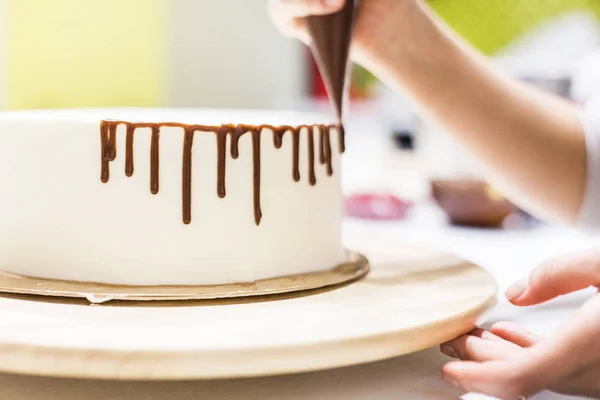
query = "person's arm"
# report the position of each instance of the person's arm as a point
(531, 143)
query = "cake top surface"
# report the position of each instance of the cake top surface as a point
(203, 116)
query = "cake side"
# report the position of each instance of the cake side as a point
(78, 203)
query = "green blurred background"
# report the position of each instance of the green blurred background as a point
(491, 25)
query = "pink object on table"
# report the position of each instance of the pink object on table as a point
(376, 207)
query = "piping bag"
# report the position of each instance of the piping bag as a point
(330, 44)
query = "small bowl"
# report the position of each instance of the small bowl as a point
(471, 203)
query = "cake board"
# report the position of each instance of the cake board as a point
(419, 299)
(355, 267)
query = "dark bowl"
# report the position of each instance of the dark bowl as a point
(471, 203)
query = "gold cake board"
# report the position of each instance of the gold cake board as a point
(354, 268)
(419, 299)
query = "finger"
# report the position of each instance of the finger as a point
(288, 10)
(473, 348)
(556, 277)
(485, 335)
(499, 379)
(515, 334)
(477, 332)
(288, 15)
(447, 350)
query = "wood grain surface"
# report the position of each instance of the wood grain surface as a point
(418, 299)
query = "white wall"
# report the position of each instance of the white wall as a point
(226, 53)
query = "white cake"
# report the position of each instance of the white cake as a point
(69, 210)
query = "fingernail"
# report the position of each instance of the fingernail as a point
(517, 289)
(447, 350)
(331, 3)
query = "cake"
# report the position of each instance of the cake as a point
(168, 197)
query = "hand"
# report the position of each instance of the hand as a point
(509, 362)
(407, 47)
(375, 23)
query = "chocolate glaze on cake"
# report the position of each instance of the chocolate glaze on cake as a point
(108, 138)
(330, 43)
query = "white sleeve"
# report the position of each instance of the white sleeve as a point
(589, 214)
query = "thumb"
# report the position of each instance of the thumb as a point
(556, 277)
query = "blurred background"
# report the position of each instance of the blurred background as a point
(225, 53)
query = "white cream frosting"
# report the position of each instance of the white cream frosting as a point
(59, 221)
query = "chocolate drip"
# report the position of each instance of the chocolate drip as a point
(342, 138)
(312, 179)
(154, 159)
(112, 143)
(221, 135)
(186, 173)
(108, 133)
(296, 154)
(104, 135)
(326, 148)
(322, 144)
(256, 173)
(325, 156)
(235, 142)
(129, 150)
(278, 136)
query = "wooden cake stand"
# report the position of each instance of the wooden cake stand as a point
(417, 300)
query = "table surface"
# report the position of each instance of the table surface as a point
(507, 254)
